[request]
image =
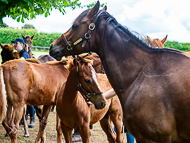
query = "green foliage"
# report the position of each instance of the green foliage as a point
(28, 26)
(40, 39)
(178, 46)
(3, 25)
(25, 9)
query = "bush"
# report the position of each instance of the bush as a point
(40, 39)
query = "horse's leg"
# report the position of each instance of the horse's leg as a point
(107, 128)
(116, 118)
(26, 134)
(6, 121)
(67, 132)
(14, 124)
(84, 131)
(41, 132)
(59, 130)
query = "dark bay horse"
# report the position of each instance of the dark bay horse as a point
(74, 112)
(28, 40)
(152, 83)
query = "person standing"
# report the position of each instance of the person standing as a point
(19, 45)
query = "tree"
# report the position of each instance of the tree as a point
(25, 9)
(28, 26)
(4, 25)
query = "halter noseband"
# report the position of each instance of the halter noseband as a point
(87, 94)
(86, 37)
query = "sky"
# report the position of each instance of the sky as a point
(153, 18)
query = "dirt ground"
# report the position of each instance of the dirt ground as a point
(97, 134)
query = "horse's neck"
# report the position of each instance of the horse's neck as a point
(30, 53)
(123, 63)
(70, 92)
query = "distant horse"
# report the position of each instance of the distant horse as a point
(160, 44)
(157, 43)
(152, 83)
(28, 41)
(43, 82)
(74, 112)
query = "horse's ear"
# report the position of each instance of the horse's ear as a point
(94, 10)
(149, 40)
(104, 8)
(32, 37)
(1, 45)
(164, 40)
(23, 36)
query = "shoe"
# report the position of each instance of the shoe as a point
(32, 123)
(76, 138)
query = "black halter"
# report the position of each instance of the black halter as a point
(87, 94)
(86, 37)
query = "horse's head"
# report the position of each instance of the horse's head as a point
(157, 43)
(7, 52)
(28, 40)
(78, 38)
(87, 82)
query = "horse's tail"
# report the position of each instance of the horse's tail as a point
(3, 96)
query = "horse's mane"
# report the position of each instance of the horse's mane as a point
(70, 64)
(63, 62)
(117, 26)
(33, 61)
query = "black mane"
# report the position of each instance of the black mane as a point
(116, 25)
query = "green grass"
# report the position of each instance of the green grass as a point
(37, 53)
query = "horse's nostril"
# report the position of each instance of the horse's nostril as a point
(51, 47)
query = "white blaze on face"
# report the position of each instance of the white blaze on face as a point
(94, 76)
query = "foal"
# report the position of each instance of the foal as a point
(78, 114)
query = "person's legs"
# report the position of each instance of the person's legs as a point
(32, 117)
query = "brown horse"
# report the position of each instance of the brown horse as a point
(152, 83)
(78, 114)
(97, 65)
(28, 41)
(43, 82)
(157, 43)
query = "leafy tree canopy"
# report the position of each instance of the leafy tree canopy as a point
(28, 26)
(28, 9)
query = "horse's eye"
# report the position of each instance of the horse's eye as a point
(87, 81)
(75, 26)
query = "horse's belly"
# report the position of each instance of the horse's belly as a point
(39, 98)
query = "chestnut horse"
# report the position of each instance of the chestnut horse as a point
(97, 65)
(152, 83)
(43, 82)
(78, 114)
(157, 43)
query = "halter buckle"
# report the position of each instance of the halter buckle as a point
(69, 47)
(87, 35)
(91, 26)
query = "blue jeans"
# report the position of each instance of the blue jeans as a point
(30, 109)
(130, 138)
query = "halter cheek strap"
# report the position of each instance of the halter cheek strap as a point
(86, 37)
